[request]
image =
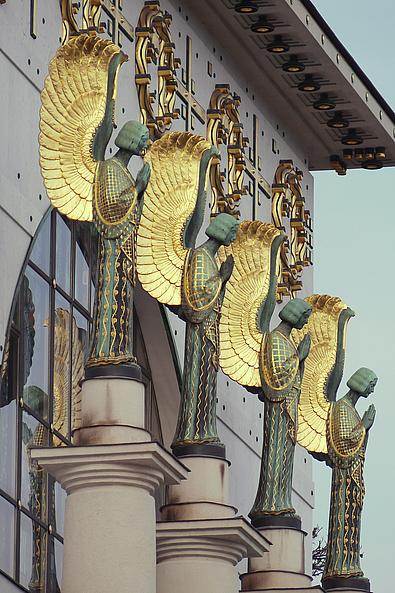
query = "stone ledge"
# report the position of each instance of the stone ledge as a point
(227, 539)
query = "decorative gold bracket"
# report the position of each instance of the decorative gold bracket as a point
(288, 203)
(91, 13)
(154, 46)
(224, 127)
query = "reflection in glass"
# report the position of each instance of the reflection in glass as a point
(61, 369)
(35, 334)
(33, 478)
(79, 354)
(48, 339)
(7, 446)
(6, 536)
(40, 254)
(63, 248)
(33, 552)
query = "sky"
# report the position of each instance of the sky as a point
(354, 236)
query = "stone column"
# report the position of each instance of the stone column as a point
(283, 567)
(201, 539)
(110, 479)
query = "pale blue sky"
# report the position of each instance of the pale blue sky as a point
(353, 258)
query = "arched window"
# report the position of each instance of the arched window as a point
(41, 373)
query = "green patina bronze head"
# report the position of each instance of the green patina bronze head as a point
(363, 381)
(223, 228)
(296, 313)
(133, 137)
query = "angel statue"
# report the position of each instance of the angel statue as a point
(267, 363)
(334, 432)
(187, 278)
(76, 123)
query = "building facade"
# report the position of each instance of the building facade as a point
(272, 88)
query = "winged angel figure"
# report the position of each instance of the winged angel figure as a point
(334, 432)
(185, 277)
(267, 363)
(76, 123)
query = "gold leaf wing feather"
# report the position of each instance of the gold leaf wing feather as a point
(246, 291)
(169, 202)
(314, 404)
(73, 104)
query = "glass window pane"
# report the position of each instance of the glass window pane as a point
(58, 563)
(33, 479)
(7, 447)
(82, 273)
(61, 368)
(33, 551)
(63, 247)
(7, 530)
(40, 254)
(35, 337)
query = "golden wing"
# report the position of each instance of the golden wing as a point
(247, 290)
(327, 328)
(169, 203)
(73, 105)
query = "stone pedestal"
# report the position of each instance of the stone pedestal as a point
(110, 518)
(112, 411)
(283, 567)
(201, 540)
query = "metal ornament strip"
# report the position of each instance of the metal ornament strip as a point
(154, 46)
(224, 127)
(288, 203)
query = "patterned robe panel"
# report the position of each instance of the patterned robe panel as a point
(280, 392)
(346, 437)
(116, 218)
(200, 306)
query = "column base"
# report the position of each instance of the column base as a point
(283, 567)
(109, 537)
(202, 555)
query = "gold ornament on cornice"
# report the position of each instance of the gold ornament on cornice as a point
(289, 203)
(154, 46)
(91, 13)
(224, 127)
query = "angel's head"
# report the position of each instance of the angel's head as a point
(296, 313)
(363, 381)
(133, 137)
(223, 228)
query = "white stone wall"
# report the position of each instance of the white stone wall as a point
(23, 202)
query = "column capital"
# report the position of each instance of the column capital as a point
(230, 540)
(143, 465)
